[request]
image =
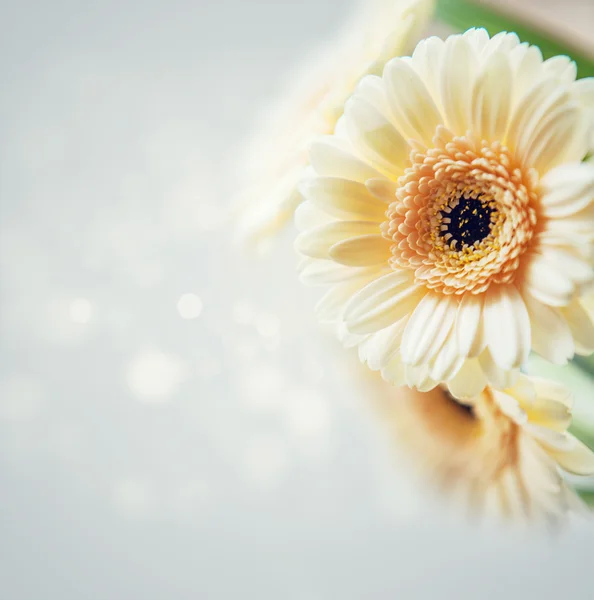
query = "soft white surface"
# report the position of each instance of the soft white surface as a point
(172, 424)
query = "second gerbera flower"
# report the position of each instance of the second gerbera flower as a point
(453, 216)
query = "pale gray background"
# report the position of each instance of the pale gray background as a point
(147, 456)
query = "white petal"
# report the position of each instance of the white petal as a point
(383, 189)
(382, 303)
(363, 250)
(382, 346)
(414, 111)
(469, 382)
(581, 327)
(428, 326)
(418, 377)
(375, 137)
(343, 199)
(322, 272)
(497, 377)
(331, 306)
(561, 67)
(567, 190)
(426, 60)
(507, 326)
(547, 283)
(550, 334)
(491, 98)
(317, 242)
(333, 157)
(447, 362)
(458, 69)
(578, 460)
(468, 325)
(395, 372)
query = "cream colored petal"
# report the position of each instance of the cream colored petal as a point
(343, 199)
(447, 362)
(412, 107)
(550, 334)
(507, 326)
(308, 216)
(457, 77)
(579, 270)
(418, 377)
(491, 98)
(554, 441)
(497, 377)
(526, 62)
(581, 327)
(395, 371)
(383, 189)
(468, 325)
(333, 157)
(546, 283)
(552, 390)
(561, 67)
(382, 303)
(426, 59)
(325, 272)
(371, 88)
(361, 251)
(469, 382)
(503, 42)
(578, 460)
(332, 304)
(317, 242)
(383, 346)
(546, 128)
(375, 137)
(428, 326)
(550, 414)
(567, 190)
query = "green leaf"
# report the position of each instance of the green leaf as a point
(464, 14)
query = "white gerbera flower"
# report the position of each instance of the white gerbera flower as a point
(276, 157)
(500, 451)
(453, 215)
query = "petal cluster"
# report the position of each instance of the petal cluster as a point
(452, 214)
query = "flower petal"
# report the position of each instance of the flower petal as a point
(581, 327)
(491, 98)
(550, 334)
(468, 325)
(547, 283)
(469, 382)
(579, 459)
(333, 157)
(412, 107)
(458, 69)
(361, 251)
(375, 137)
(507, 326)
(567, 190)
(382, 303)
(428, 327)
(317, 242)
(343, 199)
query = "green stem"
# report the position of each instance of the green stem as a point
(464, 14)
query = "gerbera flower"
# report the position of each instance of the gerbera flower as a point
(501, 450)
(277, 155)
(453, 215)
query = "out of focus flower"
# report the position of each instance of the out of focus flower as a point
(277, 155)
(453, 216)
(499, 451)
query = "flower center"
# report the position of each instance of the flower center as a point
(464, 215)
(466, 221)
